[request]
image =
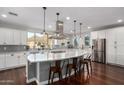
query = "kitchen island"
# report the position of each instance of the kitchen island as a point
(37, 68)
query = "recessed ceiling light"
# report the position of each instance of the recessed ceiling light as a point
(120, 20)
(88, 27)
(67, 18)
(4, 15)
(50, 26)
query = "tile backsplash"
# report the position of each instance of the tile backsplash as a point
(12, 48)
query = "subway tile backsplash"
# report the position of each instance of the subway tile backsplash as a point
(12, 48)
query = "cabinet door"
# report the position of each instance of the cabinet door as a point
(2, 61)
(17, 37)
(11, 60)
(23, 38)
(2, 36)
(101, 34)
(9, 36)
(23, 59)
(120, 46)
(110, 46)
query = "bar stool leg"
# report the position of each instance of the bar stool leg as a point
(91, 66)
(75, 72)
(49, 76)
(87, 68)
(60, 75)
(53, 77)
(69, 72)
(66, 71)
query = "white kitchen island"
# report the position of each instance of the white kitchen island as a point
(37, 68)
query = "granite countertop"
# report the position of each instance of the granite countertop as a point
(49, 55)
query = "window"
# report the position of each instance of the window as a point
(30, 40)
(87, 40)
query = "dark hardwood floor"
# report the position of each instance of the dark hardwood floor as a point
(101, 75)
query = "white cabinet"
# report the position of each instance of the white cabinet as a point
(110, 46)
(17, 37)
(23, 38)
(101, 34)
(120, 45)
(2, 37)
(94, 35)
(12, 37)
(2, 61)
(12, 60)
(115, 46)
(23, 59)
(9, 36)
(20, 37)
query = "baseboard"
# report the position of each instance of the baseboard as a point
(14, 67)
(117, 65)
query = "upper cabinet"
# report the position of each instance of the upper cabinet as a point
(6, 36)
(17, 37)
(101, 34)
(23, 38)
(98, 34)
(1, 37)
(12, 37)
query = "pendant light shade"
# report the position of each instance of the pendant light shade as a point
(59, 29)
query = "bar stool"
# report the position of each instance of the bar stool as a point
(86, 62)
(89, 60)
(72, 66)
(55, 69)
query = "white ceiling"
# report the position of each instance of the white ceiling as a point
(89, 16)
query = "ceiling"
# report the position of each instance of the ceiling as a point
(32, 17)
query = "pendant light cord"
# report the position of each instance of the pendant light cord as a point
(44, 8)
(80, 29)
(74, 27)
(57, 21)
(57, 16)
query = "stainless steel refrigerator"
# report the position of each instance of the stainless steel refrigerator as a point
(99, 50)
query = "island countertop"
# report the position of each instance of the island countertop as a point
(53, 55)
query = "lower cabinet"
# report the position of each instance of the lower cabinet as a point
(2, 61)
(12, 60)
(22, 59)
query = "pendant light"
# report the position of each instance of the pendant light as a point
(57, 27)
(44, 25)
(44, 30)
(80, 29)
(58, 34)
(74, 27)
